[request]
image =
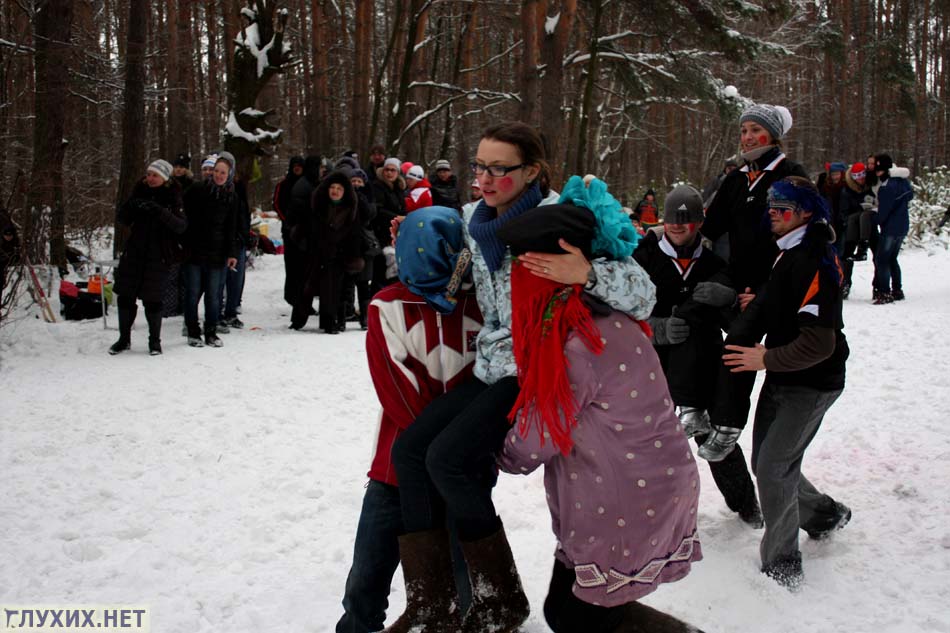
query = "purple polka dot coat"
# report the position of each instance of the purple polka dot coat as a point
(624, 500)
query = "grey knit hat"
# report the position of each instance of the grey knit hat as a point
(443, 164)
(683, 205)
(777, 120)
(161, 167)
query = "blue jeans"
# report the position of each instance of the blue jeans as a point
(375, 557)
(887, 272)
(233, 282)
(202, 279)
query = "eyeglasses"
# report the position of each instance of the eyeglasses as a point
(390, 169)
(496, 171)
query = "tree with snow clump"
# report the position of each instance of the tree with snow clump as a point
(259, 54)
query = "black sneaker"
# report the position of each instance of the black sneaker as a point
(752, 516)
(897, 295)
(881, 298)
(122, 345)
(221, 327)
(195, 341)
(212, 340)
(235, 323)
(841, 518)
(154, 348)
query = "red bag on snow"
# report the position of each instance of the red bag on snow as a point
(68, 289)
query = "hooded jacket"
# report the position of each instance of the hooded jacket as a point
(893, 200)
(330, 233)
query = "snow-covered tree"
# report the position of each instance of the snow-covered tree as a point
(259, 53)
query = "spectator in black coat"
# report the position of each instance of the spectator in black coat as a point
(445, 186)
(389, 194)
(330, 239)
(297, 206)
(153, 212)
(212, 241)
(357, 285)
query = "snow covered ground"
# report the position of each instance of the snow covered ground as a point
(221, 487)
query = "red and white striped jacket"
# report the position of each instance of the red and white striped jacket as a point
(415, 355)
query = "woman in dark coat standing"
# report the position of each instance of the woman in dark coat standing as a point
(389, 194)
(330, 239)
(154, 214)
(212, 240)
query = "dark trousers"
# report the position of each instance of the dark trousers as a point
(445, 459)
(566, 613)
(887, 272)
(786, 421)
(733, 479)
(379, 274)
(355, 287)
(232, 286)
(375, 557)
(294, 265)
(202, 279)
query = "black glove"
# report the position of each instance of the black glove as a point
(669, 330)
(714, 294)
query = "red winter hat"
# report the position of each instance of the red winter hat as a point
(858, 170)
(406, 166)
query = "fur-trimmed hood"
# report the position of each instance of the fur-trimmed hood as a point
(898, 172)
(852, 183)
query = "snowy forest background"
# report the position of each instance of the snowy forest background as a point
(635, 91)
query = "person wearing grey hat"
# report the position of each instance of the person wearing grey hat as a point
(694, 299)
(445, 186)
(155, 220)
(739, 210)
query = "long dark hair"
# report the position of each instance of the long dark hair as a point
(529, 143)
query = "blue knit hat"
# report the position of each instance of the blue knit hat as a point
(431, 255)
(837, 166)
(785, 194)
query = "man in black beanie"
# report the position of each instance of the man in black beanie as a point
(694, 301)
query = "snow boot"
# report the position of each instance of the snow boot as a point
(211, 337)
(845, 290)
(862, 254)
(431, 602)
(752, 515)
(897, 295)
(822, 529)
(720, 443)
(786, 571)
(194, 335)
(695, 421)
(126, 319)
(639, 618)
(154, 318)
(499, 604)
(881, 298)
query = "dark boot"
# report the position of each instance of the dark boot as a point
(154, 318)
(639, 618)
(880, 298)
(862, 253)
(720, 443)
(786, 571)
(431, 604)
(211, 335)
(126, 319)
(498, 601)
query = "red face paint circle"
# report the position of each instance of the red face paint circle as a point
(787, 216)
(763, 139)
(506, 184)
(692, 226)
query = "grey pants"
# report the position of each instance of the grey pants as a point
(786, 420)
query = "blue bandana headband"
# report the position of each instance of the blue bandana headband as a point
(790, 197)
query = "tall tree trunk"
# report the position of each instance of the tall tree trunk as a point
(133, 112)
(529, 61)
(553, 48)
(53, 25)
(362, 43)
(582, 160)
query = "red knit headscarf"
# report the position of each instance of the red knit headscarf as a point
(543, 313)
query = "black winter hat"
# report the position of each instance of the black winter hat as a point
(883, 162)
(311, 167)
(182, 160)
(683, 205)
(540, 228)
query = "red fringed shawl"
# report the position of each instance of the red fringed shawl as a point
(543, 313)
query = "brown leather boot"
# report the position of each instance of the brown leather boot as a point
(498, 601)
(431, 600)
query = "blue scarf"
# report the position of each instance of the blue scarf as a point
(485, 221)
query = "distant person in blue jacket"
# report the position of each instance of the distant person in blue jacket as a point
(893, 198)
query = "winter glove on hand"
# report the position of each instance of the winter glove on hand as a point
(714, 294)
(668, 331)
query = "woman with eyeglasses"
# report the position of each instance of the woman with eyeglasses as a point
(445, 459)
(389, 194)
